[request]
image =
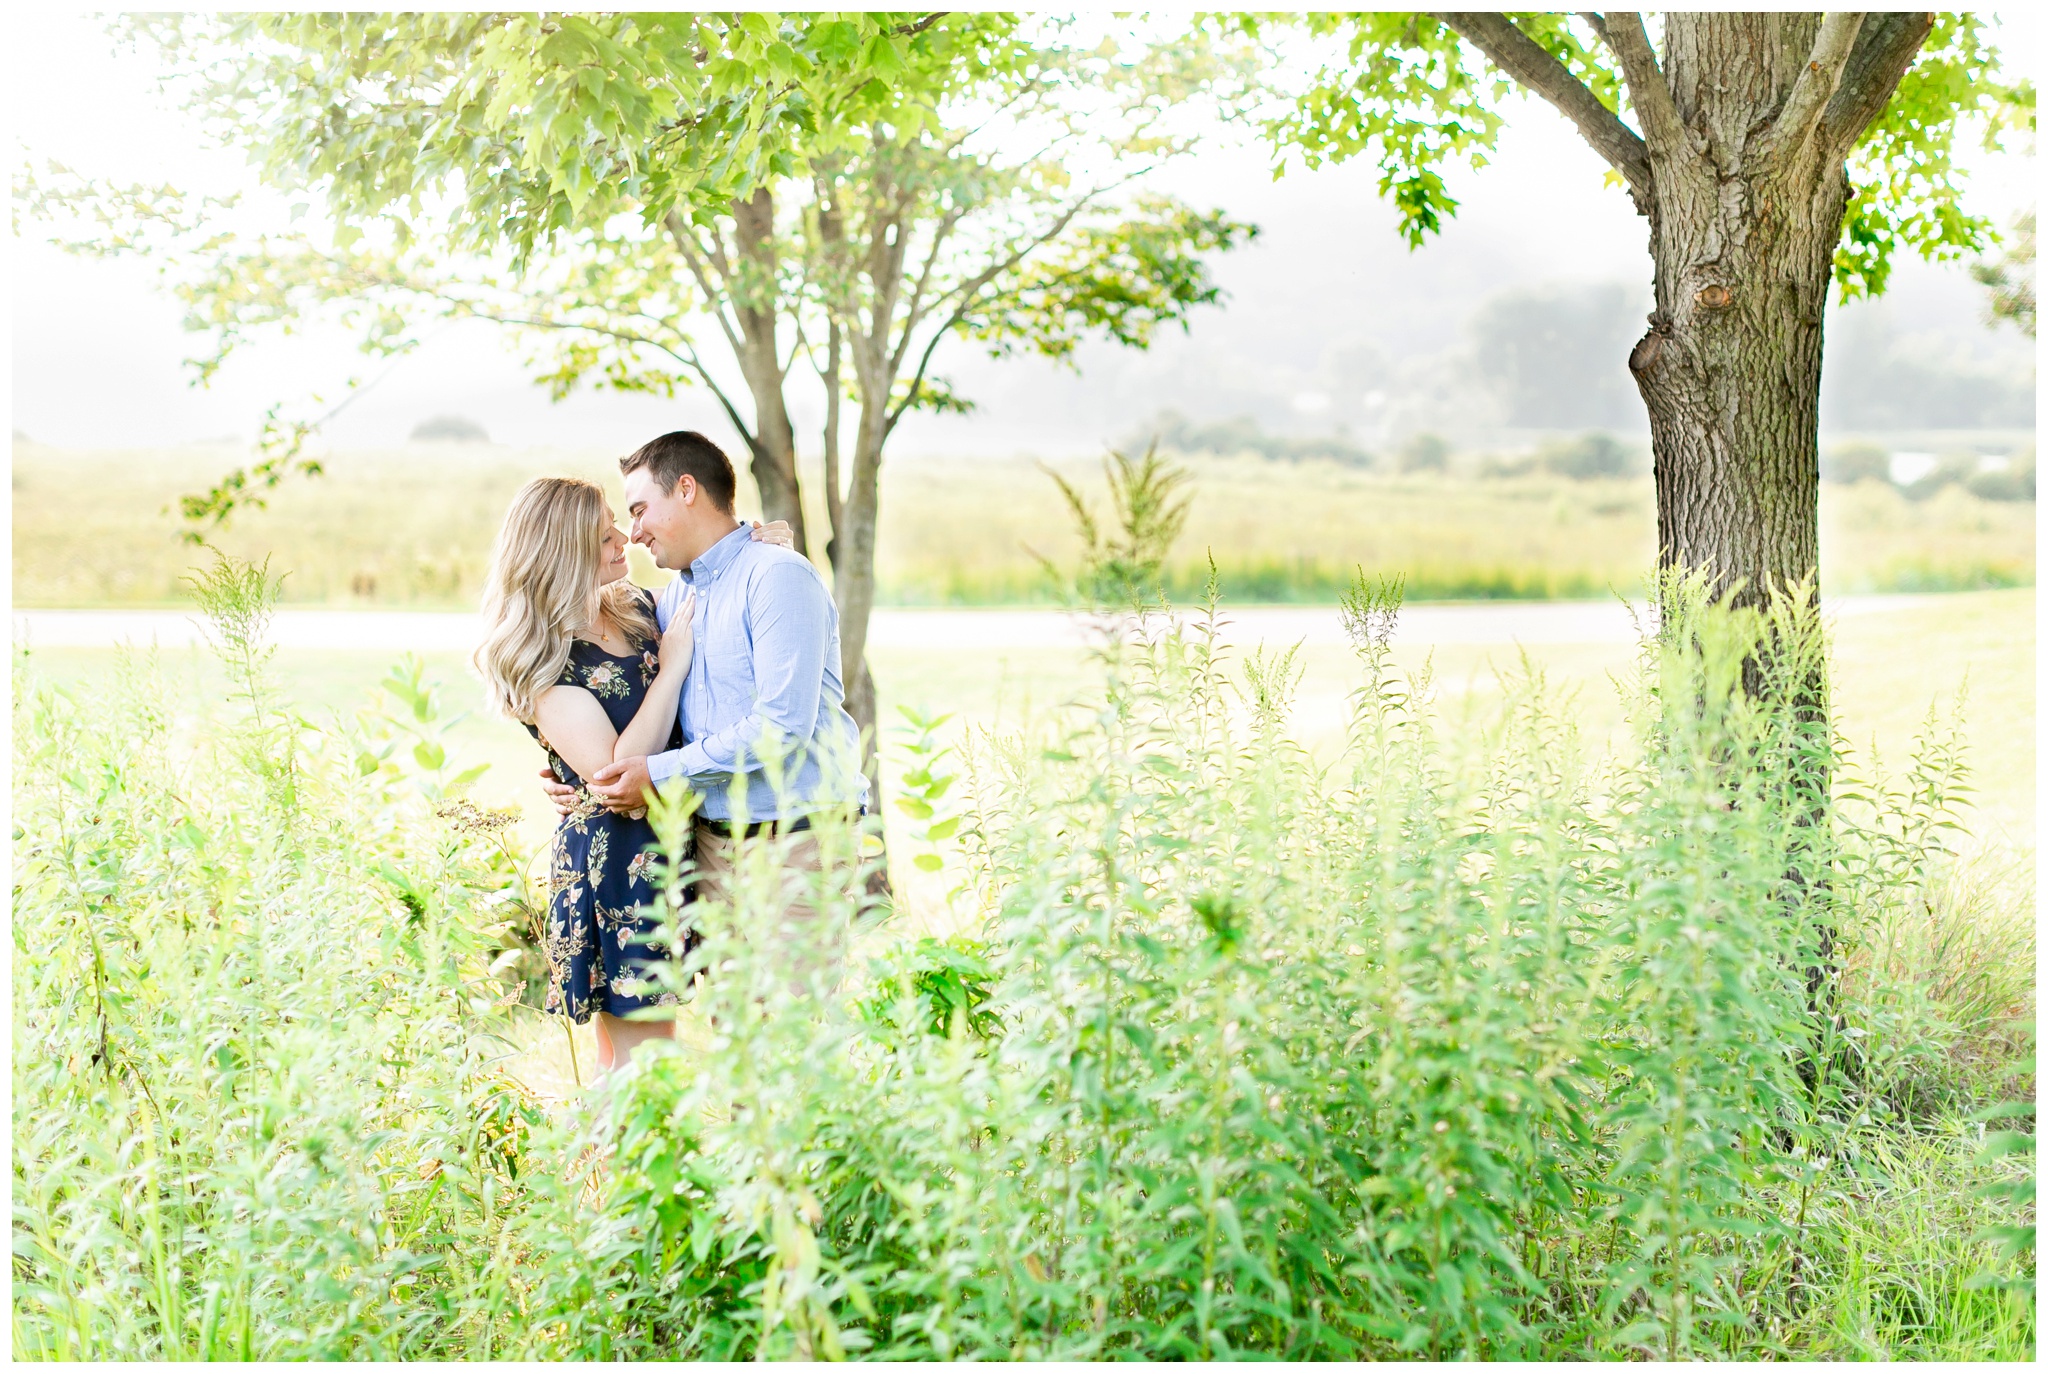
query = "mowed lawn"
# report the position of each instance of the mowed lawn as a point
(1892, 665)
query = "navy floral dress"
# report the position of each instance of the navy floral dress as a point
(601, 935)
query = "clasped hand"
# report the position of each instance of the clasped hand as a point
(622, 786)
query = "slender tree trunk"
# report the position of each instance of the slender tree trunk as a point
(760, 357)
(869, 332)
(853, 578)
(835, 503)
(853, 560)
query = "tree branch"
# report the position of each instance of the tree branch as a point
(1038, 85)
(688, 359)
(924, 363)
(1885, 47)
(1648, 92)
(835, 504)
(914, 314)
(966, 291)
(1519, 55)
(1817, 81)
(714, 300)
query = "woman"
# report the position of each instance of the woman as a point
(571, 651)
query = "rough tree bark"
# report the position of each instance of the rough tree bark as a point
(853, 540)
(1746, 125)
(852, 510)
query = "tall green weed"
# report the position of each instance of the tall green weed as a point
(254, 1110)
(1484, 1049)
(1474, 1042)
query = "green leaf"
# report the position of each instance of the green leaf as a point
(884, 58)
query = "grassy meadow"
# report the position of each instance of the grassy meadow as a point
(1967, 651)
(1258, 1027)
(413, 527)
(1337, 1000)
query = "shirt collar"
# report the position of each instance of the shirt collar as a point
(720, 556)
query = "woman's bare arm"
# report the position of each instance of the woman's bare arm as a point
(648, 731)
(651, 725)
(576, 727)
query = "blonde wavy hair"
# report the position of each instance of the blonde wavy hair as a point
(542, 588)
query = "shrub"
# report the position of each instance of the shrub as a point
(1507, 465)
(1939, 968)
(1590, 455)
(1425, 453)
(1850, 463)
(2014, 482)
(1473, 1042)
(450, 429)
(1243, 434)
(1954, 468)
(256, 1109)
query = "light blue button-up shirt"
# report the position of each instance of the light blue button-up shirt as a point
(764, 685)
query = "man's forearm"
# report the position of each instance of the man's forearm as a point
(666, 765)
(736, 750)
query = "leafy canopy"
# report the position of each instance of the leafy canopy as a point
(576, 180)
(1405, 90)
(514, 127)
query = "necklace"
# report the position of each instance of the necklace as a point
(604, 634)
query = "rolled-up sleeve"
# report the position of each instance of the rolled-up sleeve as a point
(789, 624)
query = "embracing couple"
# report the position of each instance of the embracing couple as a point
(726, 683)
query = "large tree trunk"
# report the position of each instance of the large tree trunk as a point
(773, 441)
(1746, 125)
(1746, 131)
(1730, 369)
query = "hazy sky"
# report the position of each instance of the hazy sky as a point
(98, 349)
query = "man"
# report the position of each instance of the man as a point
(764, 723)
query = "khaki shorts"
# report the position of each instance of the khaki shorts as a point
(811, 948)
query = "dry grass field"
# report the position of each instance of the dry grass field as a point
(1892, 666)
(413, 527)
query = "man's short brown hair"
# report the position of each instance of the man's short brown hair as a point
(685, 452)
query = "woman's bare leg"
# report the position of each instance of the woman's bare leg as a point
(607, 1052)
(619, 1037)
